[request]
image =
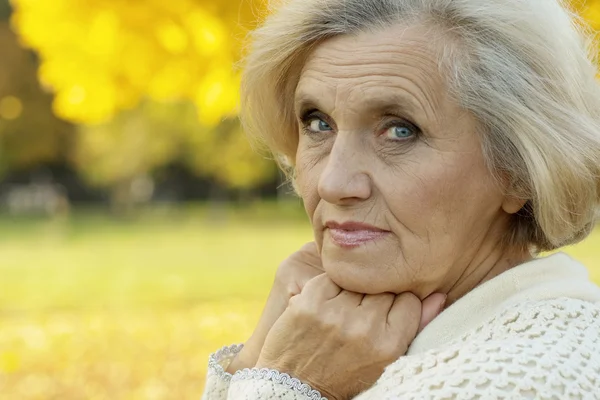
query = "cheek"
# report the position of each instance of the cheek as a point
(442, 195)
(467, 189)
(307, 180)
(441, 187)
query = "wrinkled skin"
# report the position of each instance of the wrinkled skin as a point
(382, 143)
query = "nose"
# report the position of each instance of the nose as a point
(345, 180)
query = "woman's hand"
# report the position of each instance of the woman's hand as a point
(339, 342)
(291, 276)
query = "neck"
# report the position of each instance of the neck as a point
(491, 260)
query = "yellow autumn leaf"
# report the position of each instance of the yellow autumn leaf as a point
(103, 57)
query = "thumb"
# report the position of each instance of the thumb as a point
(433, 305)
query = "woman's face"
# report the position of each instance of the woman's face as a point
(390, 169)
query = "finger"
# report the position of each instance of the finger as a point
(348, 298)
(404, 316)
(275, 306)
(310, 248)
(311, 251)
(432, 306)
(378, 303)
(320, 289)
(307, 255)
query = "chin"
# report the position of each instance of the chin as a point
(358, 278)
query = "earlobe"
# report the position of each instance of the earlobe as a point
(512, 205)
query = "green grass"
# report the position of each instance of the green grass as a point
(93, 307)
(165, 259)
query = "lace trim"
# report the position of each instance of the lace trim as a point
(282, 379)
(215, 359)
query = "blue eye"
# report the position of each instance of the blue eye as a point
(399, 132)
(318, 125)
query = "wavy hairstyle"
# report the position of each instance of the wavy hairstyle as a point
(524, 69)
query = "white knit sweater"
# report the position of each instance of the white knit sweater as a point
(531, 333)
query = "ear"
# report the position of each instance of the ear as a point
(512, 205)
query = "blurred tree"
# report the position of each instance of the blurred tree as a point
(121, 153)
(225, 154)
(101, 57)
(127, 73)
(29, 132)
(4, 9)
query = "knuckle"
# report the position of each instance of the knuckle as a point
(386, 351)
(407, 300)
(314, 283)
(301, 308)
(383, 297)
(390, 347)
(295, 302)
(311, 286)
(407, 297)
(309, 248)
(399, 348)
(285, 267)
(378, 302)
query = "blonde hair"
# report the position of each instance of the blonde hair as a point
(523, 69)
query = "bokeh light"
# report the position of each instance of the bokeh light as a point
(10, 108)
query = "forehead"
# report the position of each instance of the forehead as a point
(396, 57)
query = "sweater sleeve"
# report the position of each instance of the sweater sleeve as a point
(217, 379)
(255, 384)
(537, 351)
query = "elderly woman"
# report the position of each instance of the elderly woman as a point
(439, 146)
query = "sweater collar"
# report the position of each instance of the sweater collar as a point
(550, 277)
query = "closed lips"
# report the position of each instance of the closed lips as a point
(353, 234)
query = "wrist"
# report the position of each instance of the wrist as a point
(243, 359)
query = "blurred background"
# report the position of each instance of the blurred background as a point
(139, 231)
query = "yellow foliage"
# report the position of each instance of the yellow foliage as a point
(225, 154)
(121, 151)
(103, 56)
(130, 145)
(591, 13)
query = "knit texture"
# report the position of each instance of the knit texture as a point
(532, 338)
(544, 350)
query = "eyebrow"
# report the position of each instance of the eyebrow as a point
(389, 103)
(304, 102)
